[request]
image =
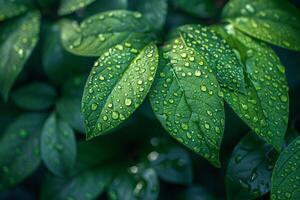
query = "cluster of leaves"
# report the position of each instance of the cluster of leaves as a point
(187, 78)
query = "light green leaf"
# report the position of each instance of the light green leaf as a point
(286, 174)
(58, 146)
(199, 8)
(155, 12)
(35, 96)
(20, 149)
(9, 9)
(276, 21)
(250, 168)
(87, 184)
(186, 96)
(96, 34)
(17, 40)
(117, 85)
(69, 6)
(138, 183)
(264, 106)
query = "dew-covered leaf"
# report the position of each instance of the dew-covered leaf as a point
(172, 164)
(286, 173)
(65, 65)
(276, 21)
(68, 106)
(186, 96)
(199, 8)
(58, 146)
(155, 12)
(20, 149)
(12, 8)
(34, 96)
(264, 105)
(117, 85)
(250, 168)
(69, 6)
(98, 33)
(87, 184)
(138, 183)
(17, 40)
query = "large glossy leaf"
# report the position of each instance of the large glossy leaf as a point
(87, 184)
(186, 96)
(17, 40)
(199, 8)
(68, 106)
(286, 174)
(14, 8)
(155, 12)
(249, 169)
(117, 85)
(172, 163)
(20, 149)
(98, 33)
(35, 96)
(69, 6)
(65, 65)
(264, 106)
(58, 146)
(276, 21)
(138, 183)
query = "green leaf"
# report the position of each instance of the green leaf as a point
(276, 21)
(87, 184)
(138, 183)
(196, 192)
(249, 169)
(69, 6)
(58, 146)
(20, 149)
(286, 174)
(172, 164)
(199, 8)
(9, 9)
(35, 96)
(117, 85)
(186, 96)
(65, 65)
(264, 106)
(96, 34)
(69, 105)
(17, 40)
(155, 12)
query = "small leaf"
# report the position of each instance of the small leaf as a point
(172, 164)
(249, 169)
(96, 34)
(196, 192)
(9, 9)
(58, 146)
(276, 21)
(117, 85)
(65, 65)
(186, 96)
(69, 6)
(264, 106)
(286, 174)
(17, 40)
(138, 183)
(35, 96)
(155, 12)
(199, 8)
(20, 149)
(87, 184)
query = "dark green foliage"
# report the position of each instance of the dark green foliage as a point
(149, 99)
